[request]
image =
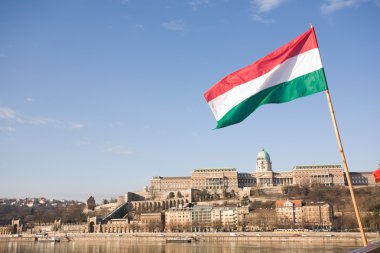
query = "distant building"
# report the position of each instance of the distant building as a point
(241, 214)
(152, 222)
(215, 179)
(42, 200)
(318, 174)
(201, 217)
(362, 178)
(30, 203)
(178, 220)
(224, 219)
(115, 226)
(295, 212)
(317, 215)
(91, 203)
(227, 179)
(289, 212)
(159, 184)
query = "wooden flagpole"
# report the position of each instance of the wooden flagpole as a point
(364, 238)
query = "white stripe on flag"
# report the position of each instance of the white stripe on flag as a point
(290, 69)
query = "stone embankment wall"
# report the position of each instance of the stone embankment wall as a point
(49, 228)
(247, 237)
(5, 230)
(74, 228)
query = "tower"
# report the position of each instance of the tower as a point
(91, 203)
(263, 162)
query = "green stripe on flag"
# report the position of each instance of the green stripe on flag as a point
(302, 86)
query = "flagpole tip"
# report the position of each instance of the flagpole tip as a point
(311, 25)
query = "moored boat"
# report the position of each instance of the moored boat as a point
(47, 239)
(179, 239)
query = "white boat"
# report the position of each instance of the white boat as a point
(47, 239)
(179, 239)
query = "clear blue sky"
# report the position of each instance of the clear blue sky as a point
(98, 96)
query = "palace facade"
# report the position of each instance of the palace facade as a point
(228, 179)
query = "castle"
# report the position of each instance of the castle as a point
(178, 204)
(229, 179)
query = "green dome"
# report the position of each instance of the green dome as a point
(263, 155)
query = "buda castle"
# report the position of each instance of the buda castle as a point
(228, 179)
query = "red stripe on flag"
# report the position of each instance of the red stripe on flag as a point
(299, 45)
(376, 173)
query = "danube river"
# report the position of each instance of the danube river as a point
(104, 246)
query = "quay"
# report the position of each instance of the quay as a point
(208, 237)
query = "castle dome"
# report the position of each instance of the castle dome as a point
(263, 155)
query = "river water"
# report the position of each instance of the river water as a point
(89, 246)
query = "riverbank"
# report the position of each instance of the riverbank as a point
(147, 246)
(208, 237)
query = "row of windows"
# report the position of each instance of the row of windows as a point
(360, 181)
(215, 187)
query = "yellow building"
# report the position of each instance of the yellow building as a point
(224, 219)
(317, 215)
(178, 220)
(295, 212)
(151, 222)
(289, 212)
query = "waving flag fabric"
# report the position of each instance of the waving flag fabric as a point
(294, 70)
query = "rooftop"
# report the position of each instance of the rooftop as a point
(215, 170)
(263, 155)
(296, 202)
(314, 167)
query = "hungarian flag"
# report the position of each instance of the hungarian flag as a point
(376, 173)
(294, 70)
